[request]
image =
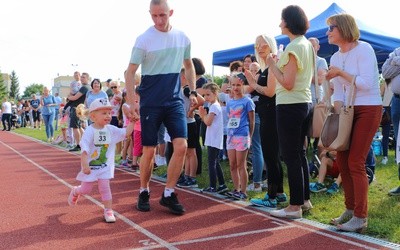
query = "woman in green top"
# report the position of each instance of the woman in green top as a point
(294, 71)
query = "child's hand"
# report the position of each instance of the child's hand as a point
(202, 111)
(86, 169)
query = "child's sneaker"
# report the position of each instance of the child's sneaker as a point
(210, 190)
(231, 193)
(333, 189)
(222, 189)
(109, 216)
(73, 198)
(266, 202)
(384, 160)
(189, 183)
(240, 196)
(317, 187)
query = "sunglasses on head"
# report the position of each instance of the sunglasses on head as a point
(331, 27)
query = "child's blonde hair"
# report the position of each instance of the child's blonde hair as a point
(82, 112)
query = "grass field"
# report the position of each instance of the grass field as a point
(384, 210)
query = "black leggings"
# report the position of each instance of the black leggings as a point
(292, 130)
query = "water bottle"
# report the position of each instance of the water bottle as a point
(377, 146)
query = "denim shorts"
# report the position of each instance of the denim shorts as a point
(173, 117)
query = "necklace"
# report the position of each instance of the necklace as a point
(345, 58)
(347, 55)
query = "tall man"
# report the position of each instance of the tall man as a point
(161, 50)
(75, 100)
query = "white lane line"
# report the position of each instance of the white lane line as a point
(123, 218)
(226, 236)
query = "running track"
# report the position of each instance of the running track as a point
(36, 179)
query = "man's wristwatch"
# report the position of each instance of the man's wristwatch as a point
(193, 92)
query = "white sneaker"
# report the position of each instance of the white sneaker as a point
(251, 187)
(163, 161)
(384, 160)
(109, 216)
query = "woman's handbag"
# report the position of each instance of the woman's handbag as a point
(337, 128)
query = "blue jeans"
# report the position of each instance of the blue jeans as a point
(385, 135)
(395, 111)
(48, 123)
(257, 158)
(56, 118)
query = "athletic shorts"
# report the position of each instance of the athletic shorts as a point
(173, 117)
(74, 121)
(238, 143)
(36, 116)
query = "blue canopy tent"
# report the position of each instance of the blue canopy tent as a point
(382, 44)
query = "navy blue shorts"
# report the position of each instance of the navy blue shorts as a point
(173, 117)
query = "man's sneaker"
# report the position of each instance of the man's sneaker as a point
(281, 198)
(189, 183)
(222, 189)
(143, 201)
(252, 188)
(384, 160)
(395, 191)
(333, 189)
(266, 202)
(73, 197)
(109, 216)
(210, 190)
(317, 187)
(172, 203)
(77, 148)
(239, 196)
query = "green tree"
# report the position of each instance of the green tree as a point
(217, 79)
(14, 87)
(3, 88)
(34, 88)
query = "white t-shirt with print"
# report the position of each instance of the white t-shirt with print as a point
(101, 157)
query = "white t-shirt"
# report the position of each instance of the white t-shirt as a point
(215, 132)
(6, 107)
(101, 157)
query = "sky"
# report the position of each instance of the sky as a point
(41, 39)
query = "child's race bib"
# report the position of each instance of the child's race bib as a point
(102, 136)
(233, 122)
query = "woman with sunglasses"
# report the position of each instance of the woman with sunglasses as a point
(354, 59)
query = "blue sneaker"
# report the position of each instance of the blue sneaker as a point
(281, 198)
(266, 202)
(317, 187)
(189, 183)
(333, 189)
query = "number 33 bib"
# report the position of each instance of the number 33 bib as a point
(102, 136)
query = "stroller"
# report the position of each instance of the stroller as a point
(370, 163)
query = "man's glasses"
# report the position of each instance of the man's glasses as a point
(113, 87)
(331, 27)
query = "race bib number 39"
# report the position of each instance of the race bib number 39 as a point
(102, 137)
(233, 122)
